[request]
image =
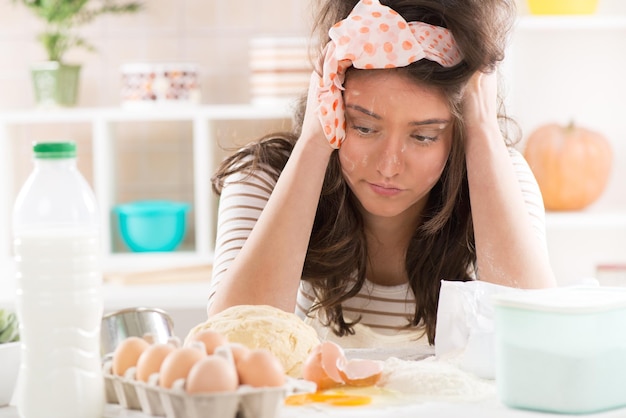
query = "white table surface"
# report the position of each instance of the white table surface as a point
(491, 408)
(176, 296)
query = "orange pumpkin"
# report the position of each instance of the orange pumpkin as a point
(572, 165)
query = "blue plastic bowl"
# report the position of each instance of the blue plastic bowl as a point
(152, 225)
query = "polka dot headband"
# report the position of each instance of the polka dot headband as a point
(374, 36)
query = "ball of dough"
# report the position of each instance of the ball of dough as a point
(262, 326)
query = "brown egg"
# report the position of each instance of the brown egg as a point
(261, 368)
(210, 338)
(127, 354)
(178, 363)
(151, 359)
(238, 351)
(320, 365)
(212, 374)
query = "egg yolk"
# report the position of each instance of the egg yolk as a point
(335, 399)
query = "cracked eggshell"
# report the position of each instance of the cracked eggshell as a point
(320, 366)
(360, 372)
(328, 367)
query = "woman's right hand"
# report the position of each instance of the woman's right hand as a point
(311, 126)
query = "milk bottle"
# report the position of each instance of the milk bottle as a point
(59, 296)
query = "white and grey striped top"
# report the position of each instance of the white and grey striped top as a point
(386, 310)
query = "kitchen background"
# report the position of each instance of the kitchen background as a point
(556, 70)
(152, 160)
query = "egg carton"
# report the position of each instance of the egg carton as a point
(154, 400)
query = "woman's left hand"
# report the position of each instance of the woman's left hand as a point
(480, 104)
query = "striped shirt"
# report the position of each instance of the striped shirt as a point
(384, 310)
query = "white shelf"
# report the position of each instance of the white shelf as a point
(128, 261)
(573, 22)
(586, 220)
(101, 121)
(156, 113)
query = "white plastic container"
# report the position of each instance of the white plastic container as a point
(562, 350)
(59, 296)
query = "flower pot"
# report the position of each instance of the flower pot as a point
(55, 84)
(562, 7)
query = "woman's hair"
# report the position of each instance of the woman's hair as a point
(442, 247)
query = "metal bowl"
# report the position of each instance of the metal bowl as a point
(119, 325)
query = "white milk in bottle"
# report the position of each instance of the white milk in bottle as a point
(59, 296)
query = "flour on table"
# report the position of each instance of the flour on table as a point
(434, 380)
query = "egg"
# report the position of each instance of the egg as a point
(210, 338)
(261, 368)
(335, 399)
(360, 372)
(238, 351)
(328, 367)
(127, 354)
(150, 360)
(212, 374)
(320, 366)
(177, 364)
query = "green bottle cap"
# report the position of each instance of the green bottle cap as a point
(54, 150)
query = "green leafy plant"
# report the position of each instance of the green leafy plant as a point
(9, 327)
(62, 18)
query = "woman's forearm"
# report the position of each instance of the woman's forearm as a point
(268, 268)
(508, 249)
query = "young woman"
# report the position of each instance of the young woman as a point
(397, 176)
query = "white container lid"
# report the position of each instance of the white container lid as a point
(565, 300)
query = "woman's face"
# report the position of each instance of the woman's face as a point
(398, 137)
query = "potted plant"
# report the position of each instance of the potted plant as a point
(55, 81)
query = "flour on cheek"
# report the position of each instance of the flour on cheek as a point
(348, 165)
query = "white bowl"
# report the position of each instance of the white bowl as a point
(10, 366)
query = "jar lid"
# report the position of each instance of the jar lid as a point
(52, 150)
(574, 299)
